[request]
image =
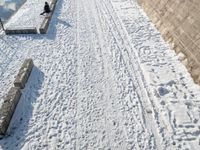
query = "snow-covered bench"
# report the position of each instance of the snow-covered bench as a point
(44, 26)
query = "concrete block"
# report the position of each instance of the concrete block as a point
(3, 127)
(44, 26)
(8, 108)
(53, 1)
(21, 31)
(195, 73)
(52, 7)
(24, 73)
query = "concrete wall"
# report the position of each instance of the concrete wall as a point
(21, 31)
(179, 23)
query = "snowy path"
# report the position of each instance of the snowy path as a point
(115, 110)
(94, 83)
(177, 99)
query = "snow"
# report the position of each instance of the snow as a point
(103, 79)
(8, 7)
(28, 16)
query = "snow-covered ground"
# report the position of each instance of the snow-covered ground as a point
(103, 79)
(8, 7)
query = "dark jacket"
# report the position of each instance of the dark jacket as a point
(47, 8)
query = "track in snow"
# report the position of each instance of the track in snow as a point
(81, 95)
(111, 109)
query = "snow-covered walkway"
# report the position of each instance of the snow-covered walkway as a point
(103, 79)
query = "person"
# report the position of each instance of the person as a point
(46, 9)
(1, 23)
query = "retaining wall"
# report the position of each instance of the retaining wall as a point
(21, 31)
(179, 23)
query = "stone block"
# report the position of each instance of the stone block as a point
(21, 31)
(44, 26)
(8, 107)
(53, 1)
(52, 7)
(24, 73)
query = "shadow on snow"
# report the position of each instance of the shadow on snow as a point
(22, 118)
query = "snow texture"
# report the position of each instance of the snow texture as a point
(103, 79)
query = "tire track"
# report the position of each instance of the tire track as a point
(121, 92)
(136, 69)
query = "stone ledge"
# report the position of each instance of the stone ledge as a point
(21, 31)
(53, 5)
(24, 73)
(45, 23)
(53, 1)
(8, 108)
(44, 26)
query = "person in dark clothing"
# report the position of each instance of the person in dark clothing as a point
(1, 23)
(46, 9)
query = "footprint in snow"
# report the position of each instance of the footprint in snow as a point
(162, 91)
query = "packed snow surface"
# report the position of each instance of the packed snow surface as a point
(103, 79)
